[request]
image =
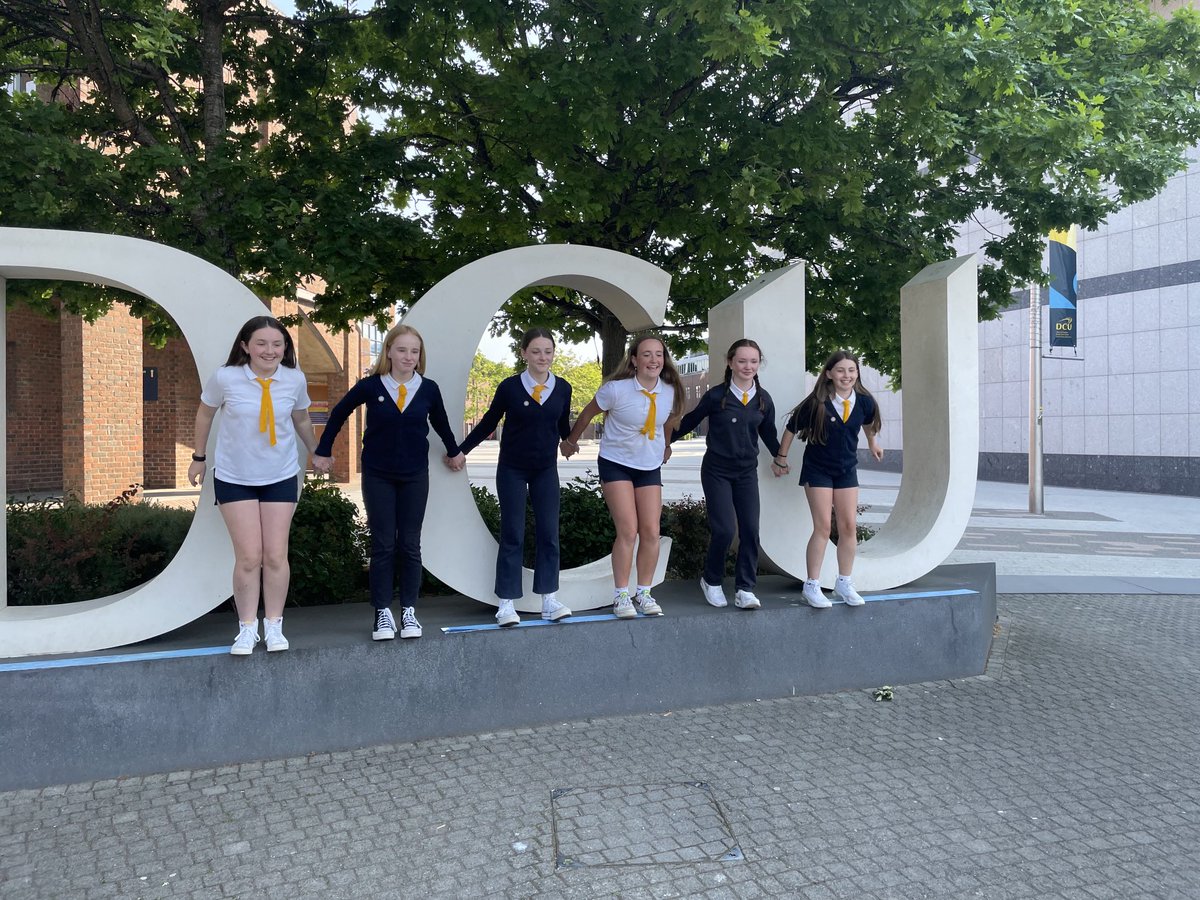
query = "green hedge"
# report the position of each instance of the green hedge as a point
(62, 550)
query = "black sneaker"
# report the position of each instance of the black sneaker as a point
(385, 625)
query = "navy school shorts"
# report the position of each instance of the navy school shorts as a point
(811, 476)
(280, 492)
(615, 471)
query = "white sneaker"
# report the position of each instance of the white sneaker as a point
(552, 610)
(713, 594)
(246, 639)
(385, 625)
(844, 589)
(409, 626)
(647, 604)
(273, 631)
(623, 606)
(812, 594)
(746, 600)
(506, 615)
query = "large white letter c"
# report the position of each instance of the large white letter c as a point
(455, 544)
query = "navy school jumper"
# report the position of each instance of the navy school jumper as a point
(729, 476)
(528, 466)
(839, 454)
(395, 477)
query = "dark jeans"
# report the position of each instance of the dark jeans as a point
(731, 496)
(541, 486)
(395, 511)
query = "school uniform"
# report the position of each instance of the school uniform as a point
(729, 474)
(625, 442)
(395, 473)
(244, 455)
(837, 458)
(527, 466)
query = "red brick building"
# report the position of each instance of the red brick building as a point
(94, 408)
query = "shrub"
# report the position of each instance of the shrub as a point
(328, 547)
(863, 532)
(587, 531)
(686, 523)
(61, 550)
(584, 523)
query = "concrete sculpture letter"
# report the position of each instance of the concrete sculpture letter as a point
(208, 305)
(939, 344)
(941, 405)
(455, 544)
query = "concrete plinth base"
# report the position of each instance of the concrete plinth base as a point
(182, 702)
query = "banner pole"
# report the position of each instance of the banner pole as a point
(1036, 493)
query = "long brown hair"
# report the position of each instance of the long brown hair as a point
(669, 373)
(383, 365)
(734, 348)
(811, 411)
(238, 355)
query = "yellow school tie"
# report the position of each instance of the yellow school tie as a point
(400, 396)
(537, 393)
(266, 410)
(745, 398)
(845, 409)
(651, 415)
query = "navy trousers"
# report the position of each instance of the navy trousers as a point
(395, 511)
(541, 487)
(731, 497)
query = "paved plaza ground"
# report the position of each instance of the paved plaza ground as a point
(1068, 770)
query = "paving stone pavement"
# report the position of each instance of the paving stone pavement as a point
(1067, 771)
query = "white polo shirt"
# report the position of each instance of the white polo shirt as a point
(623, 441)
(244, 454)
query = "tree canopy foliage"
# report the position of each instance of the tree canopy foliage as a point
(711, 137)
(219, 127)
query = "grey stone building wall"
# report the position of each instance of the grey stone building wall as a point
(1123, 412)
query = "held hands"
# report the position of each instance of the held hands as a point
(322, 464)
(778, 468)
(455, 463)
(568, 448)
(666, 453)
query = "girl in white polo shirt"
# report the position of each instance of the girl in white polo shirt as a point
(640, 399)
(265, 402)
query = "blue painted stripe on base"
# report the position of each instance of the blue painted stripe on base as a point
(109, 660)
(957, 592)
(534, 623)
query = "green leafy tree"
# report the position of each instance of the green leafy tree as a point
(584, 376)
(714, 138)
(216, 126)
(710, 138)
(482, 381)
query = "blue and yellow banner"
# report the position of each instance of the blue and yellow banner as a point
(1064, 284)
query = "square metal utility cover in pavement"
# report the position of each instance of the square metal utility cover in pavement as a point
(640, 825)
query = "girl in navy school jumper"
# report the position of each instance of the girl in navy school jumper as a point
(828, 421)
(740, 414)
(401, 405)
(642, 401)
(536, 408)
